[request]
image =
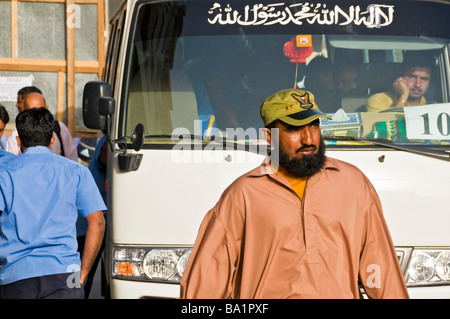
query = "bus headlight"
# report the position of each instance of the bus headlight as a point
(158, 264)
(428, 267)
(421, 268)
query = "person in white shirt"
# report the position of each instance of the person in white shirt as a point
(64, 143)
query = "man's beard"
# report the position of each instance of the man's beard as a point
(306, 166)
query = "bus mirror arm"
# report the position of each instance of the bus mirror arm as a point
(137, 139)
(130, 162)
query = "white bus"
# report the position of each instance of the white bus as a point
(180, 98)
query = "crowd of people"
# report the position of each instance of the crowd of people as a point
(51, 207)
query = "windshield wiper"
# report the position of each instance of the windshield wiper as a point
(264, 149)
(227, 144)
(438, 154)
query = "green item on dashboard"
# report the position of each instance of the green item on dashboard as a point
(393, 130)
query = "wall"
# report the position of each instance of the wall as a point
(56, 45)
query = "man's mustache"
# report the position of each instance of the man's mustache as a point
(303, 147)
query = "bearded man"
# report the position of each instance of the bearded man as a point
(302, 225)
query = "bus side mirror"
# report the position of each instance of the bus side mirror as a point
(98, 105)
(98, 109)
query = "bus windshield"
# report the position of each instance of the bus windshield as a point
(375, 85)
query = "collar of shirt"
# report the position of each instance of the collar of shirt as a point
(266, 169)
(37, 150)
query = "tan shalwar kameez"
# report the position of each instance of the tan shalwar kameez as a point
(262, 241)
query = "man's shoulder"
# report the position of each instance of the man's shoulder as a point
(340, 165)
(65, 132)
(246, 180)
(380, 101)
(49, 158)
(254, 173)
(263, 179)
(7, 162)
(5, 155)
(62, 125)
(384, 97)
(347, 171)
(68, 162)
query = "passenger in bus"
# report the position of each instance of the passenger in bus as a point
(345, 79)
(319, 80)
(408, 89)
(302, 225)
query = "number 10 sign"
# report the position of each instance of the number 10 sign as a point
(429, 122)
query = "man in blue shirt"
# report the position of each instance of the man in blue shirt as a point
(4, 119)
(41, 195)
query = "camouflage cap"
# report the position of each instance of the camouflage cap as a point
(293, 107)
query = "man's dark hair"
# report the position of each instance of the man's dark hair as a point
(27, 90)
(420, 59)
(4, 116)
(35, 127)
